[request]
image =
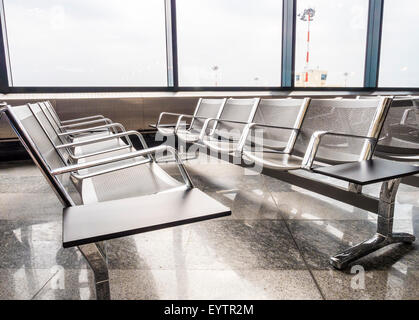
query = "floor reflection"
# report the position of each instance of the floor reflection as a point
(277, 234)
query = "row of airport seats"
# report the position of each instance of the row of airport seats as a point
(336, 137)
(286, 125)
(104, 182)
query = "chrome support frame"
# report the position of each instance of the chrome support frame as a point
(95, 256)
(384, 235)
(375, 128)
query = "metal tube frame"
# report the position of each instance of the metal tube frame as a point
(96, 258)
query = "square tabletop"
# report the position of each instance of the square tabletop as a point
(368, 171)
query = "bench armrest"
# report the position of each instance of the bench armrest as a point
(105, 138)
(99, 116)
(86, 123)
(168, 114)
(85, 130)
(405, 116)
(315, 141)
(250, 126)
(145, 152)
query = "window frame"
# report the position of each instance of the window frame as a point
(371, 71)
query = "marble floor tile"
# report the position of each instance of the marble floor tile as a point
(213, 285)
(30, 206)
(390, 273)
(22, 283)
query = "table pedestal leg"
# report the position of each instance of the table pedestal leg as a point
(384, 235)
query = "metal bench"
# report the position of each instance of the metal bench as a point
(116, 195)
(337, 136)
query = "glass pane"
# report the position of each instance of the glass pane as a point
(229, 43)
(330, 43)
(399, 63)
(86, 42)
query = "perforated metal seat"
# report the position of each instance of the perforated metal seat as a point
(136, 181)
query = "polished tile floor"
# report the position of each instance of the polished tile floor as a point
(275, 245)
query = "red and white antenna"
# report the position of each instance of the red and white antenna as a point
(307, 15)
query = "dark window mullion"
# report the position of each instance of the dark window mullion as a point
(171, 44)
(4, 62)
(372, 55)
(288, 43)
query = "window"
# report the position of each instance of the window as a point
(86, 42)
(229, 43)
(399, 63)
(331, 42)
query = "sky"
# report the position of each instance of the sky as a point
(220, 42)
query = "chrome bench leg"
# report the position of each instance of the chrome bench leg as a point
(384, 235)
(95, 256)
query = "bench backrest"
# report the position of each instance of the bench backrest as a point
(207, 108)
(237, 110)
(43, 152)
(359, 117)
(401, 128)
(278, 112)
